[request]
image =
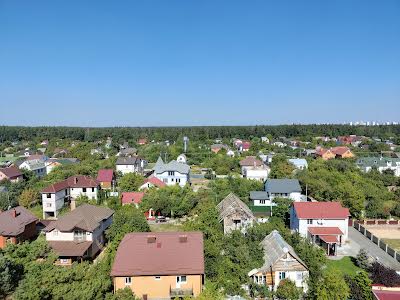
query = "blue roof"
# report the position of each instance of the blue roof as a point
(282, 186)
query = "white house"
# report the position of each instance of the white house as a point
(56, 195)
(259, 173)
(37, 166)
(182, 158)
(280, 262)
(283, 188)
(172, 173)
(366, 164)
(299, 163)
(324, 223)
(132, 164)
(79, 234)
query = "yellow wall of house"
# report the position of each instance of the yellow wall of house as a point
(348, 154)
(148, 285)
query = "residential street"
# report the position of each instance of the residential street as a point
(373, 250)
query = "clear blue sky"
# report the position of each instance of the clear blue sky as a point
(153, 63)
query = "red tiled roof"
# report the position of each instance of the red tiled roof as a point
(250, 161)
(340, 150)
(322, 151)
(320, 210)
(322, 230)
(105, 175)
(11, 172)
(13, 221)
(132, 197)
(386, 295)
(246, 145)
(159, 253)
(70, 248)
(329, 239)
(79, 181)
(155, 181)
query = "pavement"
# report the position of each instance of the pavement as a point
(358, 241)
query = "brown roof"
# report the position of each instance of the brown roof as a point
(324, 230)
(340, 150)
(86, 217)
(11, 172)
(320, 210)
(70, 248)
(13, 221)
(79, 181)
(159, 253)
(250, 161)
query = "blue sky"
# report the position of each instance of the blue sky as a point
(154, 63)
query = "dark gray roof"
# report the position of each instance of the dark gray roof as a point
(13, 221)
(282, 186)
(258, 195)
(134, 160)
(86, 217)
(364, 162)
(173, 165)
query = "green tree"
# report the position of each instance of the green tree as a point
(287, 290)
(362, 259)
(360, 286)
(332, 286)
(130, 182)
(28, 197)
(127, 219)
(280, 167)
(10, 274)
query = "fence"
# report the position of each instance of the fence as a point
(376, 240)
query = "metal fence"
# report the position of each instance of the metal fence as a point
(376, 240)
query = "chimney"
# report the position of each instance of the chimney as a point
(73, 204)
(182, 238)
(14, 213)
(159, 245)
(76, 180)
(151, 239)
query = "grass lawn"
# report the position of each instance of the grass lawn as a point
(344, 265)
(164, 227)
(37, 210)
(393, 243)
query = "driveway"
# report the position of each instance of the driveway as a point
(360, 241)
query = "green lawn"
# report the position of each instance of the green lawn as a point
(344, 265)
(165, 227)
(393, 243)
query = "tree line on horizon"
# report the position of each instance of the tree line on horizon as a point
(307, 132)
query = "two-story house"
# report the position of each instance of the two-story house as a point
(79, 234)
(283, 188)
(56, 195)
(160, 265)
(16, 225)
(172, 173)
(324, 223)
(298, 163)
(37, 166)
(253, 168)
(106, 178)
(280, 263)
(366, 164)
(235, 214)
(132, 164)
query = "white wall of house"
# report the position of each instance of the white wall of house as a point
(90, 192)
(301, 225)
(295, 196)
(173, 178)
(256, 174)
(124, 169)
(53, 202)
(394, 168)
(263, 203)
(298, 277)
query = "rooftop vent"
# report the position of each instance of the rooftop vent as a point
(182, 238)
(158, 245)
(151, 239)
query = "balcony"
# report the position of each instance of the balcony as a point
(177, 292)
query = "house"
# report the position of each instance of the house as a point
(283, 188)
(342, 152)
(246, 145)
(37, 166)
(324, 223)
(142, 141)
(152, 182)
(52, 163)
(56, 195)
(132, 198)
(218, 147)
(182, 158)
(59, 152)
(262, 206)
(264, 139)
(250, 161)
(381, 292)
(44, 143)
(349, 140)
(79, 234)
(234, 214)
(127, 152)
(133, 164)
(12, 174)
(172, 173)
(16, 225)
(325, 154)
(366, 164)
(280, 262)
(299, 163)
(160, 265)
(253, 168)
(279, 144)
(106, 178)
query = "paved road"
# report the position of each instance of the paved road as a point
(372, 249)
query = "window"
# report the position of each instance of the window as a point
(262, 201)
(92, 189)
(299, 276)
(183, 279)
(178, 180)
(55, 232)
(171, 173)
(282, 275)
(84, 190)
(309, 221)
(79, 234)
(48, 204)
(165, 180)
(48, 195)
(128, 280)
(157, 278)
(64, 261)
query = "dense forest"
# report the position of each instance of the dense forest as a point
(17, 133)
